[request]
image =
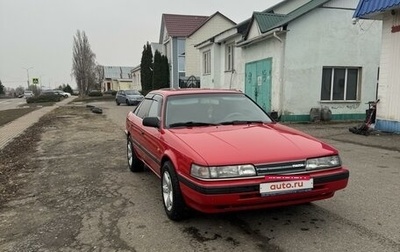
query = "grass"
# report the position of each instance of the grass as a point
(7, 116)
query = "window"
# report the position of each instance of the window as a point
(207, 62)
(339, 84)
(229, 57)
(150, 106)
(181, 55)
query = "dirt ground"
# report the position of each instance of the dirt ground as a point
(45, 187)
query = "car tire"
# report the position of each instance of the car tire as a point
(116, 101)
(134, 163)
(172, 198)
(128, 103)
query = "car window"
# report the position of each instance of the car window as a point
(132, 92)
(155, 108)
(213, 109)
(144, 107)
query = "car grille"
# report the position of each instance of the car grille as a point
(281, 168)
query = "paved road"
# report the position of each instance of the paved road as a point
(363, 217)
(12, 103)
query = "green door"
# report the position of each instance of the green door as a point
(258, 82)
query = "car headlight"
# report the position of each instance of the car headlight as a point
(216, 172)
(323, 162)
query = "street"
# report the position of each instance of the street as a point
(11, 103)
(77, 194)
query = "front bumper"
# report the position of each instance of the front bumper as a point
(234, 195)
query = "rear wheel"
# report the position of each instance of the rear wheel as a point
(174, 203)
(134, 164)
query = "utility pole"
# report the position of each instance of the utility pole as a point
(27, 74)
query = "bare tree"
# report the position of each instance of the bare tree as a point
(83, 63)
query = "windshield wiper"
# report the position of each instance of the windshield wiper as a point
(238, 122)
(190, 124)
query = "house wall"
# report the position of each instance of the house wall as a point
(232, 79)
(168, 52)
(351, 4)
(388, 109)
(207, 80)
(330, 41)
(136, 79)
(215, 25)
(124, 84)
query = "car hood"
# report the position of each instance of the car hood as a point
(256, 143)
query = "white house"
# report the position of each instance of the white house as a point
(214, 24)
(116, 78)
(296, 56)
(388, 108)
(173, 33)
(136, 78)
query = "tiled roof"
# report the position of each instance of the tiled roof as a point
(117, 72)
(182, 25)
(367, 7)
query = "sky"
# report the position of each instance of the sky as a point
(36, 36)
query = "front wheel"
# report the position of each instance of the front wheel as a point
(116, 101)
(174, 203)
(134, 163)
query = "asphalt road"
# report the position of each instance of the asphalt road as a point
(363, 217)
(12, 103)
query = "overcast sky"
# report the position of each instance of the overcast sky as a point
(38, 34)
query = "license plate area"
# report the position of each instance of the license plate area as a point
(284, 187)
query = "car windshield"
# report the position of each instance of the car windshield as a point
(212, 109)
(132, 92)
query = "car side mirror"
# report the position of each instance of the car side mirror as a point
(151, 122)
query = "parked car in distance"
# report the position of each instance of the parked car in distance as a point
(129, 97)
(218, 151)
(62, 93)
(28, 93)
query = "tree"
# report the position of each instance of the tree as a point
(146, 69)
(83, 63)
(20, 90)
(165, 71)
(2, 91)
(157, 71)
(68, 89)
(160, 71)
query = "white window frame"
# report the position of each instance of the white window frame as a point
(207, 62)
(229, 57)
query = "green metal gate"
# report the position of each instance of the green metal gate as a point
(258, 82)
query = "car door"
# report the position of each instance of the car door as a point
(152, 136)
(121, 97)
(146, 139)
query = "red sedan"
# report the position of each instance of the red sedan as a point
(218, 151)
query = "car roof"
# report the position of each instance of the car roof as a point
(183, 91)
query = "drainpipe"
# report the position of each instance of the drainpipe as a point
(281, 71)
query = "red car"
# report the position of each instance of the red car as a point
(218, 151)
